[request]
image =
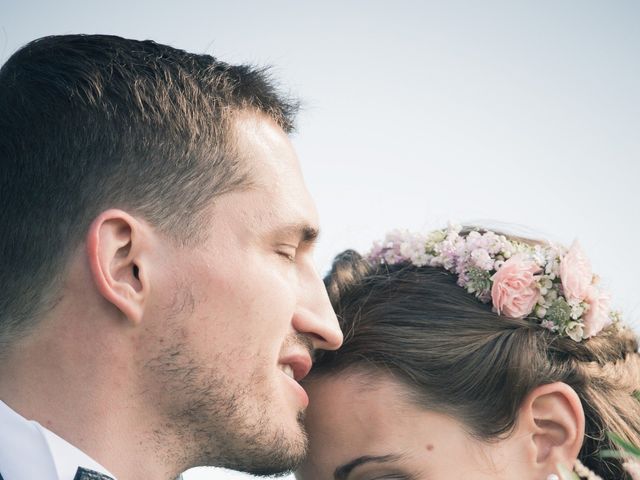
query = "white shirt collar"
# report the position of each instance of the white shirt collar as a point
(28, 451)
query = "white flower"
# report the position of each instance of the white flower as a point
(553, 266)
(420, 259)
(493, 243)
(584, 472)
(473, 240)
(413, 246)
(482, 259)
(539, 255)
(575, 331)
(453, 228)
(433, 239)
(546, 283)
(633, 468)
(550, 296)
(435, 262)
(577, 311)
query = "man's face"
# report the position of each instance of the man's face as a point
(237, 316)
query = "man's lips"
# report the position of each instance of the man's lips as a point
(296, 365)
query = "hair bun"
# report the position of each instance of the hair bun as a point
(347, 271)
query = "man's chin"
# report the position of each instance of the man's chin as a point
(283, 454)
(282, 464)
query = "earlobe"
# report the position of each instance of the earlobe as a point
(554, 417)
(114, 247)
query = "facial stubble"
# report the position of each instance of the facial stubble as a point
(215, 419)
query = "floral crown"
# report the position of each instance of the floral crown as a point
(550, 283)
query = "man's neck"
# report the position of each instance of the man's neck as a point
(81, 393)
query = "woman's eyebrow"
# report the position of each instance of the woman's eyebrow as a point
(343, 471)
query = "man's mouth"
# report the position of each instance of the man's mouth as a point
(288, 370)
(296, 365)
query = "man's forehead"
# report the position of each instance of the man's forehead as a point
(265, 149)
(281, 201)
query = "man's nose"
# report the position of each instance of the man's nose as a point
(314, 315)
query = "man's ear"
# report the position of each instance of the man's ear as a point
(553, 417)
(115, 244)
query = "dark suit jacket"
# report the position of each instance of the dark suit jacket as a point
(85, 474)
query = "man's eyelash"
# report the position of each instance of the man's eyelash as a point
(397, 476)
(393, 476)
(287, 255)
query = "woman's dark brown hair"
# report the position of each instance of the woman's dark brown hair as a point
(460, 358)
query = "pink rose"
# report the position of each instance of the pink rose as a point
(597, 316)
(575, 273)
(515, 292)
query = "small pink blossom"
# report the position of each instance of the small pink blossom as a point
(575, 273)
(597, 315)
(515, 290)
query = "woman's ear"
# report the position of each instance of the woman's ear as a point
(553, 417)
(115, 244)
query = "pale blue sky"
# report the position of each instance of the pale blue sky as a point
(416, 112)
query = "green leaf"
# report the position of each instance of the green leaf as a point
(559, 312)
(624, 445)
(612, 454)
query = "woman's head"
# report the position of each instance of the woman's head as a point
(422, 353)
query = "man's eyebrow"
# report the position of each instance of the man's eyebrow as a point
(305, 232)
(342, 472)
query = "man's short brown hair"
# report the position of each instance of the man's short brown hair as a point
(90, 122)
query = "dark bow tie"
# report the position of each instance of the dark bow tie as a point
(84, 474)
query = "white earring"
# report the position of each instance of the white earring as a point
(553, 476)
